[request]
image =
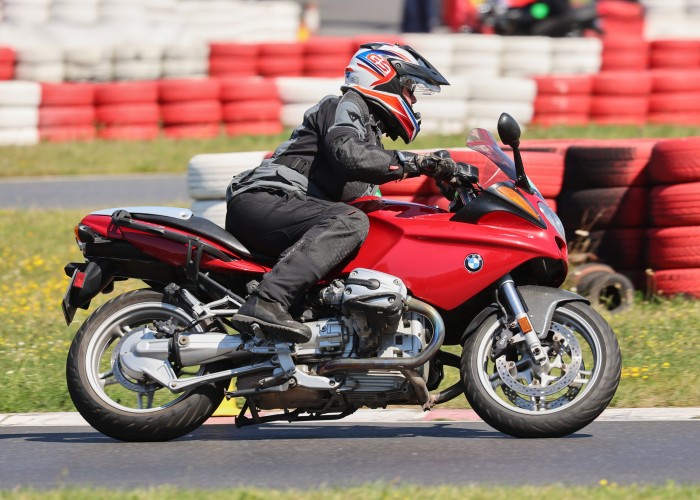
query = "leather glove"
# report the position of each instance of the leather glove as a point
(437, 165)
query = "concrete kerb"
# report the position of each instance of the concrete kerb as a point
(73, 419)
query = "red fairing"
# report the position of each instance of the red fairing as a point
(427, 251)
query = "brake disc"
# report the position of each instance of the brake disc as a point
(540, 392)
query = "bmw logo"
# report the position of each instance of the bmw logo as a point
(474, 262)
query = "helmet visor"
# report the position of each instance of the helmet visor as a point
(417, 85)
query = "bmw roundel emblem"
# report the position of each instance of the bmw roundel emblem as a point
(474, 262)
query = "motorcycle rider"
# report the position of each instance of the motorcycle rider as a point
(294, 204)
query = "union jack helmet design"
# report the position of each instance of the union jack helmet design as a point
(379, 71)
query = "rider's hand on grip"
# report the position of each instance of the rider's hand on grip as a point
(437, 165)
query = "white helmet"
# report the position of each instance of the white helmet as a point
(380, 71)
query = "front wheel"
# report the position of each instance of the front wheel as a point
(117, 405)
(515, 396)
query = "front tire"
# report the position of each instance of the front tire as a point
(132, 410)
(517, 401)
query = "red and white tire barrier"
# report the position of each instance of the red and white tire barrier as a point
(67, 112)
(127, 111)
(19, 113)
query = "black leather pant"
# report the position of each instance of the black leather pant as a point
(311, 236)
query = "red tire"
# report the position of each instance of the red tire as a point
(325, 64)
(546, 170)
(616, 106)
(564, 85)
(677, 282)
(603, 208)
(629, 43)
(673, 247)
(229, 66)
(638, 120)
(234, 50)
(676, 44)
(624, 83)
(248, 89)
(562, 104)
(620, 9)
(66, 116)
(676, 118)
(678, 101)
(129, 132)
(126, 93)
(192, 112)
(675, 205)
(675, 161)
(280, 66)
(197, 131)
(7, 55)
(674, 59)
(337, 46)
(620, 248)
(675, 80)
(67, 94)
(282, 50)
(7, 71)
(252, 111)
(598, 166)
(68, 134)
(253, 128)
(550, 120)
(617, 60)
(188, 90)
(128, 114)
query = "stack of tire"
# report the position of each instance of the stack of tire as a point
(621, 17)
(563, 100)
(127, 110)
(675, 82)
(185, 61)
(233, 59)
(489, 97)
(327, 57)
(526, 56)
(621, 98)
(673, 238)
(67, 112)
(190, 108)
(40, 64)
(281, 59)
(88, 64)
(251, 106)
(26, 12)
(299, 94)
(477, 56)
(7, 63)
(576, 56)
(605, 193)
(208, 176)
(136, 62)
(19, 113)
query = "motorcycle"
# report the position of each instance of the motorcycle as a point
(153, 364)
(553, 18)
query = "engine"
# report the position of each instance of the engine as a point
(370, 323)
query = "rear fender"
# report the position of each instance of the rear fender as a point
(88, 279)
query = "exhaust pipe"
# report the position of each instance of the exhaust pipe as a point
(396, 363)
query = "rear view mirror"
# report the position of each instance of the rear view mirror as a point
(509, 130)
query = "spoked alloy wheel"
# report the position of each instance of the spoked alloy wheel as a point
(512, 395)
(121, 406)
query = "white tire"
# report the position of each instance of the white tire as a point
(530, 64)
(86, 55)
(193, 51)
(19, 136)
(173, 68)
(137, 52)
(215, 211)
(29, 15)
(294, 90)
(19, 93)
(513, 89)
(431, 43)
(528, 44)
(451, 110)
(74, 12)
(136, 70)
(476, 60)
(292, 115)
(457, 90)
(473, 72)
(208, 175)
(482, 44)
(489, 111)
(579, 46)
(40, 72)
(39, 54)
(18, 117)
(568, 64)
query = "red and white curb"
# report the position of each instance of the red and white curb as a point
(69, 419)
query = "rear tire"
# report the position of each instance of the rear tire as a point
(570, 409)
(103, 400)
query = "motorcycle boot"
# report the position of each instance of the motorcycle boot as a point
(273, 320)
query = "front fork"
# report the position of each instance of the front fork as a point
(509, 298)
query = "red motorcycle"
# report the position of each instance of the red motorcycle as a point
(536, 361)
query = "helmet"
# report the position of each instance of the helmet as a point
(380, 71)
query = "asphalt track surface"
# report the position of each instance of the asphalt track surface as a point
(307, 455)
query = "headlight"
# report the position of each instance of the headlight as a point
(552, 218)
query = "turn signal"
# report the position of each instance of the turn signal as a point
(518, 200)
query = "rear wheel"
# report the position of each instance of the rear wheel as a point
(117, 405)
(512, 395)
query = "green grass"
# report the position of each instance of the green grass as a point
(168, 155)
(659, 340)
(603, 490)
